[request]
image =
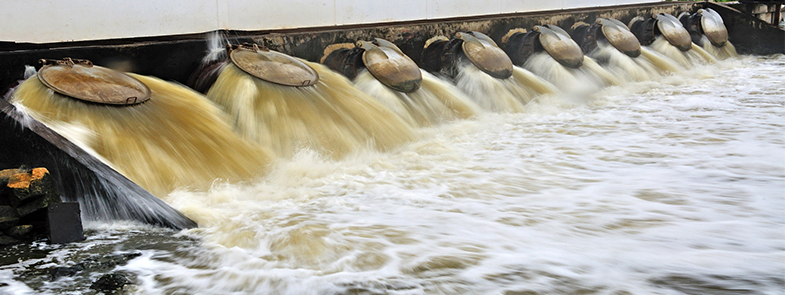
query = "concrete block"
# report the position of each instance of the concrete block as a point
(64, 223)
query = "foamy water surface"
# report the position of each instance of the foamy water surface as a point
(671, 186)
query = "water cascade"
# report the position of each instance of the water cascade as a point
(668, 186)
(387, 74)
(707, 29)
(624, 66)
(696, 55)
(610, 42)
(724, 52)
(279, 104)
(549, 52)
(665, 34)
(483, 71)
(320, 110)
(162, 136)
(436, 101)
(662, 62)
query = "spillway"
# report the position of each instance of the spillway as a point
(633, 175)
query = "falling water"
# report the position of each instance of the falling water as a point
(436, 101)
(103, 194)
(666, 187)
(29, 72)
(661, 61)
(216, 47)
(694, 56)
(330, 117)
(705, 56)
(176, 139)
(661, 45)
(593, 69)
(672, 186)
(526, 84)
(590, 77)
(628, 68)
(724, 52)
(501, 95)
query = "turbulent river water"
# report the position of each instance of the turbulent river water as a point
(674, 185)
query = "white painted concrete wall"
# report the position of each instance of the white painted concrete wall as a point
(42, 21)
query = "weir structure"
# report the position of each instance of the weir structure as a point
(84, 178)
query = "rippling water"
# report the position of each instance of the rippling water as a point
(673, 186)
